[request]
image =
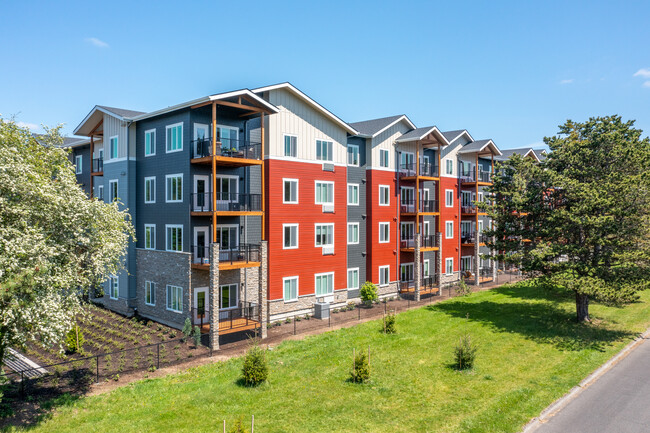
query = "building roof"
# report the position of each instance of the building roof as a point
(122, 112)
(481, 146)
(373, 127)
(522, 151)
(453, 135)
(420, 133)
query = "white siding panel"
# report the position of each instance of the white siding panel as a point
(112, 127)
(386, 140)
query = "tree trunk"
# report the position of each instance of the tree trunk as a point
(582, 307)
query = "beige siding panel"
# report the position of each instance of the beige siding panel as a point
(386, 140)
(451, 153)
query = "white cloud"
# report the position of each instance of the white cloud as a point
(97, 42)
(31, 126)
(646, 84)
(569, 81)
(644, 72)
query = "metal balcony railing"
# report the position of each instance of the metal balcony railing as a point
(408, 205)
(426, 169)
(430, 241)
(227, 147)
(467, 238)
(240, 253)
(226, 202)
(468, 208)
(471, 176)
(98, 165)
(245, 310)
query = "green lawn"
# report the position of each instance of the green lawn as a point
(531, 352)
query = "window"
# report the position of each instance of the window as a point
(150, 236)
(480, 226)
(449, 229)
(112, 190)
(324, 192)
(425, 268)
(324, 235)
(174, 137)
(406, 272)
(384, 195)
(150, 142)
(290, 236)
(353, 233)
(384, 232)
(384, 275)
(112, 147)
(150, 189)
(229, 295)
(449, 266)
(174, 237)
(78, 169)
(290, 285)
(290, 145)
(100, 192)
(175, 299)
(480, 197)
(174, 188)
(353, 155)
(425, 229)
(324, 150)
(353, 194)
(114, 287)
(465, 228)
(150, 293)
(450, 166)
(353, 279)
(290, 194)
(324, 284)
(383, 158)
(449, 198)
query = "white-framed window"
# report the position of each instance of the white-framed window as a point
(113, 148)
(150, 189)
(353, 233)
(174, 137)
(449, 265)
(425, 268)
(113, 191)
(100, 192)
(406, 272)
(175, 298)
(229, 296)
(324, 192)
(384, 233)
(174, 188)
(290, 145)
(480, 197)
(426, 229)
(150, 293)
(324, 283)
(480, 226)
(290, 288)
(384, 275)
(78, 169)
(384, 195)
(290, 191)
(150, 236)
(290, 235)
(353, 194)
(174, 237)
(466, 263)
(449, 229)
(114, 286)
(353, 278)
(353, 155)
(383, 158)
(449, 198)
(324, 150)
(324, 235)
(150, 142)
(465, 228)
(450, 166)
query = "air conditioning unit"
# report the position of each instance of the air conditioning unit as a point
(328, 167)
(328, 208)
(328, 250)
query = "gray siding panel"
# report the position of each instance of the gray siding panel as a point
(357, 253)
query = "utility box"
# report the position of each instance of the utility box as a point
(322, 310)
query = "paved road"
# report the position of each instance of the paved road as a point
(618, 402)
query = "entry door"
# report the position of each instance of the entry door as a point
(201, 200)
(408, 199)
(201, 306)
(229, 138)
(201, 245)
(201, 138)
(227, 193)
(406, 234)
(407, 161)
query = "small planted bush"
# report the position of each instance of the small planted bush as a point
(238, 426)
(255, 370)
(74, 340)
(187, 328)
(462, 289)
(360, 372)
(390, 326)
(465, 353)
(196, 336)
(368, 293)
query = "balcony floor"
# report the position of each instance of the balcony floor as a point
(228, 213)
(230, 326)
(422, 249)
(421, 177)
(225, 266)
(423, 290)
(227, 161)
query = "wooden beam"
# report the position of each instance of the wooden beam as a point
(250, 113)
(92, 151)
(92, 131)
(214, 172)
(241, 106)
(202, 104)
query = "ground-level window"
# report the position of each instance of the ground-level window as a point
(406, 272)
(114, 287)
(175, 299)
(449, 266)
(384, 275)
(466, 263)
(353, 278)
(425, 268)
(290, 288)
(324, 284)
(229, 295)
(150, 293)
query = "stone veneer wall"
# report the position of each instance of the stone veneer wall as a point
(120, 306)
(163, 268)
(448, 280)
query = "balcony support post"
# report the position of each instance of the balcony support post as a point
(263, 286)
(438, 218)
(213, 296)
(438, 265)
(92, 180)
(214, 175)
(477, 259)
(417, 189)
(417, 271)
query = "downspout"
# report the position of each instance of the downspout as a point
(397, 207)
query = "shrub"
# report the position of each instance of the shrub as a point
(368, 293)
(196, 336)
(351, 306)
(465, 353)
(238, 426)
(255, 370)
(187, 328)
(390, 326)
(462, 289)
(74, 340)
(360, 372)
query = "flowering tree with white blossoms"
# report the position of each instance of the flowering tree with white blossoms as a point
(55, 242)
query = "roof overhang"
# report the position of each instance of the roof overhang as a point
(79, 143)
(487, 149)
(92, 120)
(309, 101)
(404, 119)
(464, 132)
(431, 136)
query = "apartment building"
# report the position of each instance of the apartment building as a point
(254, 205)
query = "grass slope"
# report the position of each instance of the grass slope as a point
(531, 352)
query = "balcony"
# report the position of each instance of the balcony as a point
(407, 207)
(468, 209)
(427, 170)
(428, 243)
(467, 238)
(470, 176)
(228, 204)
(97, 167)
(232, 152)
(241, 256)
(428, 285)
(244, 317)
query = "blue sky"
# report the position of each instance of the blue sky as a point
(511, 71)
